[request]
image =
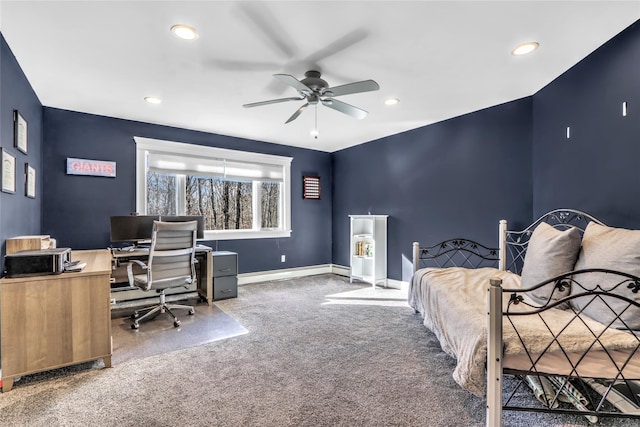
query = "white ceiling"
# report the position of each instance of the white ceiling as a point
(441, 59)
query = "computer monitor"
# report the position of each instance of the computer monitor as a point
(182, 218)
(132, 228)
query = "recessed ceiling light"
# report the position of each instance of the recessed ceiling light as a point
(525, 48)
(184, 32)
(153, 100)
(391, 101)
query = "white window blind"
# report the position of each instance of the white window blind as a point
(222, 168)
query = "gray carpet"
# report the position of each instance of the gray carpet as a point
(310, 358)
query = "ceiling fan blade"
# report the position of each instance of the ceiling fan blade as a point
(231, 65)
(357, 87)
(293, 82)
(343, 107)
(297, 113)
(272, 101)
(336, 46)
(269, 28)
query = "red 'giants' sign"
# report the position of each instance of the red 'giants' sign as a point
(90, 167)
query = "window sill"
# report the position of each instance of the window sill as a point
(245, 234)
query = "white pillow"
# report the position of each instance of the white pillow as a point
(550, 253)
(614, 249)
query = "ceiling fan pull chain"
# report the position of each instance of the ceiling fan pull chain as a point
(315, 134)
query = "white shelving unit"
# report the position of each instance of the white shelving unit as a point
(368, 254)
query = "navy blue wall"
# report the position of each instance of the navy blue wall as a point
(78, 207)
(596, 170)
(455, 178)
(19, 215)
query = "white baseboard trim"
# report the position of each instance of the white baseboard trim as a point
(285, 273)
(397, 284)
(290, 273)
(340, 270)
(391, 283)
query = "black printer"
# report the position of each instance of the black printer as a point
(36, 262)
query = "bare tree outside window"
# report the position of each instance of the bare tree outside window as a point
(270, 204)
(161, 193)
(225, 204)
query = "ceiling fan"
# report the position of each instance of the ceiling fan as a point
(314, 90)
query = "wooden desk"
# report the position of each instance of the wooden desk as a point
(48, 322)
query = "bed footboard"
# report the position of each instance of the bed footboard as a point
(585, 357)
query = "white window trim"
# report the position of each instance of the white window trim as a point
(143, 145)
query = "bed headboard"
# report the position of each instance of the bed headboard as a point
(454, 253)
(513, 244)
(509, 255)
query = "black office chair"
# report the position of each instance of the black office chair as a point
(171, 264)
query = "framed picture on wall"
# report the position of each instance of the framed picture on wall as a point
(29, 181)
(8, 172)
(19, 131)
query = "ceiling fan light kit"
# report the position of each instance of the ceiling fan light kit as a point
(314, 90)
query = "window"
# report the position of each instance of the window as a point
(241, 195)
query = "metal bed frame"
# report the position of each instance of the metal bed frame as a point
(513, 246)
(510, 256)
(569, 367)
(454, 253)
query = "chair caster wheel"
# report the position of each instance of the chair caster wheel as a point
(176, 323)
(192, 312)
(135, 326)
(135, 315)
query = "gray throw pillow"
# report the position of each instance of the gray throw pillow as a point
(614, 249)
(550, 253)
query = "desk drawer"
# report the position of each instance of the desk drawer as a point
(225, 265)
(225, 287)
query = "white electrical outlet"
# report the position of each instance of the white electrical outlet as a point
(283, 258)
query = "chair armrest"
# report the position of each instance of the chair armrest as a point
(130, 270)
